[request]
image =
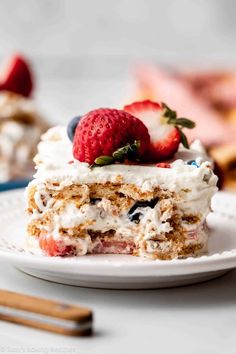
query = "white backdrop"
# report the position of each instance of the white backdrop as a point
(94, 43)
(185, 29)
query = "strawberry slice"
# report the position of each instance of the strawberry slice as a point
(52, 247)
(164, 128)
(16, 76)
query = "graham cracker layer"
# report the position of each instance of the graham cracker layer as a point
(120, 194)
(121, 198)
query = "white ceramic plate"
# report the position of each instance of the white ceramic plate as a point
(117, 271)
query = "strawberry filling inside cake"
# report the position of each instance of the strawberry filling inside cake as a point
(112, 195)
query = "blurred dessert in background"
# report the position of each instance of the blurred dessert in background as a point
(209, 98)
(20, 123)
(20, 129)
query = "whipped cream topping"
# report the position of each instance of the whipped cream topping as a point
(55, 163)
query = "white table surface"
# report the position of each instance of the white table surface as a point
(193, 319)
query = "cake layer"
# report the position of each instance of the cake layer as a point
(158, 225)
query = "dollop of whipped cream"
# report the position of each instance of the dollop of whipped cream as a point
(55, 163)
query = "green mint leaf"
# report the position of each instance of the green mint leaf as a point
(104, 160)
(184, 139)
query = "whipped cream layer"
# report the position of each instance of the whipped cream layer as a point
(55, 163)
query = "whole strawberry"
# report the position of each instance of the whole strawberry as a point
(164, 127)
(104, 136)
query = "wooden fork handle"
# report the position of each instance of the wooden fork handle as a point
(45, 314)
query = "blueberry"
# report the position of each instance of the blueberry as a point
(72, 126)
(192, 163)
(135, 217)
(95, 200)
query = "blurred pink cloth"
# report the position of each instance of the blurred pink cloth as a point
(176, 92)
(217, 87)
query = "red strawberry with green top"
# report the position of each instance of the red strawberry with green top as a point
(105, 136)
(164, 127)
(16, 76)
